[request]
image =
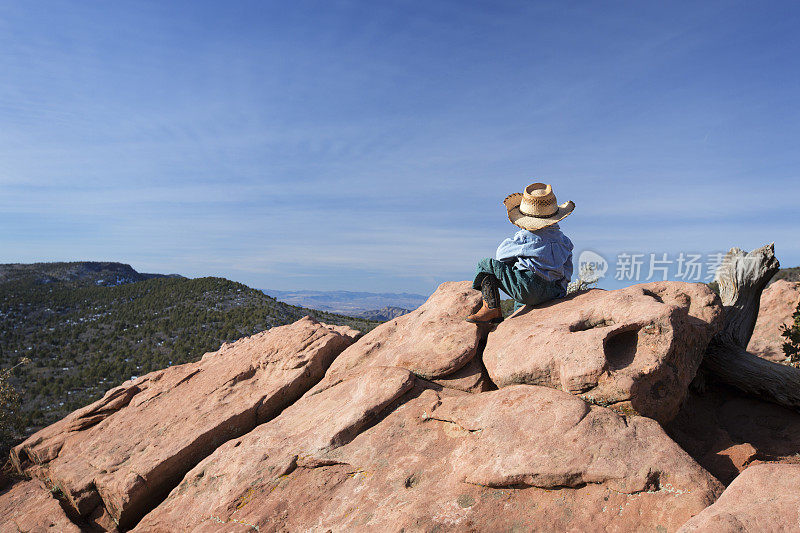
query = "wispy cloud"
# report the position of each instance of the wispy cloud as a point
(343, 146)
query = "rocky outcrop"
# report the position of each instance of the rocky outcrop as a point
(30, 506)
(440, 460)
(763, 498)
(471, 377)
(778, 303)
(408, 430)
(634, 349)
(349, 333)
(243, 471)
(126, 451)
(432, 342)
(727, 432)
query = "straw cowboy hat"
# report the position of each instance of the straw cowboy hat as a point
(536, 207)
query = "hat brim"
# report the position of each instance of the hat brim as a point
(530, 223)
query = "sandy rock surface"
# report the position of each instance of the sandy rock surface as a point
(310, 427)
(635, 349)
(127, 450)
(243, 471)
(726, 431)
(432, 341)
(778, 303)
(472, 377)
(30, 506)
(522, 456)
(763, 498)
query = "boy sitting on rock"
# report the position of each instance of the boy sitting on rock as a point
(533, 266)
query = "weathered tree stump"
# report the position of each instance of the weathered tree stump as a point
(741, 278)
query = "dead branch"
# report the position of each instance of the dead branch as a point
(742, 278)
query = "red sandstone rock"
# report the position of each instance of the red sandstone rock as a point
(634, 349)
(567, 444)
(522, 457)
(778, 303)
(470, 378)
(372, 447)
(29, 506)
(763, 498)
(433, 341)
(351, 333)
(220, 487)
(726, 431)
(127, 450)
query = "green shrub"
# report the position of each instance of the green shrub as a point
(792, 334)
(507, 306)
(10, 421)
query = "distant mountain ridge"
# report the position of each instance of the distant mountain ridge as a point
(384, 314)
(789, 274)
(105, 273)
(350, 303)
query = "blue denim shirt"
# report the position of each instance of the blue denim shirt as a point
(547, 252)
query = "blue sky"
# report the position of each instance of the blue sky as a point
(369, 145)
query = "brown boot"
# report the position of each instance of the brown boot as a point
(486, 315)
(490, 312)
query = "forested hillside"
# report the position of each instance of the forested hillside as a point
(87, 333)
(789, 274)
(106, 273)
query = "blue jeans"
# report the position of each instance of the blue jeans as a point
(524, 286)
